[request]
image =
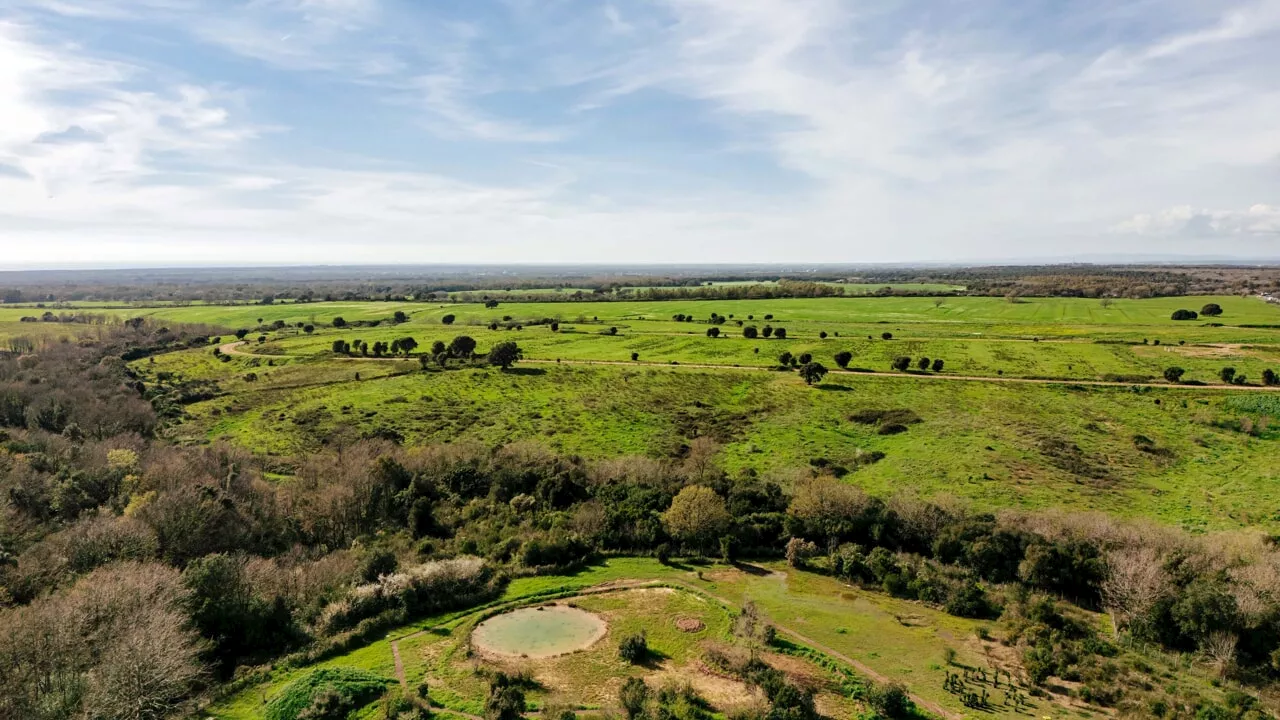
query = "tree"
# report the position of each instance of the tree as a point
(767, 331)
(750, 332)
(463, 346)
(1211, 310)
(491, 304)
(843, 358)
(408, 345)
(901, 363)
(338, 322)
(937, 365)
(308, 328)
(241, 333)
(1174, 374)
(1269, 377)
(713, 332)
(634, 695)
(1184, 315)
(555, 327)
(886, 336)
(506, 700)
(1227, 374)
(780, 333)
(923, 363)
(822, 335)
(697, 517)
(813, 372)
(505, 354)
(447, 319)
(635, 356)
(341, 347)
(785, 358)
(805, 358)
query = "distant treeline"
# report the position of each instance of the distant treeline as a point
(569, 285)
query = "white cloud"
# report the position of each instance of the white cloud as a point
(908, 131)
(1184, 220)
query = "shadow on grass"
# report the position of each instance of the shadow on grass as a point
(525, 371)
(833, 387)
(750, 569)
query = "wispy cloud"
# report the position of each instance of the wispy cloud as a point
(671, 129)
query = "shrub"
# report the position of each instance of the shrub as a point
(813, 372)
(890, 700)
(1184, 315)
(634, 648)
(1227, 374)
(328, 694)
(886, 336)
(750, 332)
(1174, 374)
(901, 363)
(843, 358)
(1211, 310)
(634, 695)
(937, 365)
(447, 319)
(430, 587)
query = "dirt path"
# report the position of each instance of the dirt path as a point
(233, 349)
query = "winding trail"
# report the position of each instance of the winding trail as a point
(234, 349)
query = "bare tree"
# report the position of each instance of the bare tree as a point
(1135, 580)
(1220, 650)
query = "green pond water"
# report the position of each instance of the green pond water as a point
(539, 632)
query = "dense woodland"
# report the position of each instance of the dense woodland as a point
(137, 577)
(571, 284)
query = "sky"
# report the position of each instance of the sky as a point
(225, 132)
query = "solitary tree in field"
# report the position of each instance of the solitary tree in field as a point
(749, 332)
(1211, 310)
(822, 335)
(1184, 315)
(555, 327)
(308, 329)
(241, 333)
(463, 346)
(505, 354)
(813, 372)
(491, 303)
(338, 322)
(400, 316)
(1174, 374)
(1227, 374)
(447, 319)
(1105, 302)
(697, 517)
(635, 356)
(843, 358)
(901, 363)
(937, 365)
(713, 332)
(886, 336)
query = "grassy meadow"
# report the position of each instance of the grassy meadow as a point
(1198, 456)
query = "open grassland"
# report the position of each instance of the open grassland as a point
(1201, 457)
(869, 634)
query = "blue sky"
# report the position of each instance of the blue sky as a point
(154, 132)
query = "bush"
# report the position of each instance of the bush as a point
(1174, 374)
(843, 358)
(890, 700)
(430, 587)
(1184, 315)
(1211, 310)
(901, 363)
(327, 694)
(634, 648)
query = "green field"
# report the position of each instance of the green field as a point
(1208, 459)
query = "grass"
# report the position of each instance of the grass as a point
(899, 640)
